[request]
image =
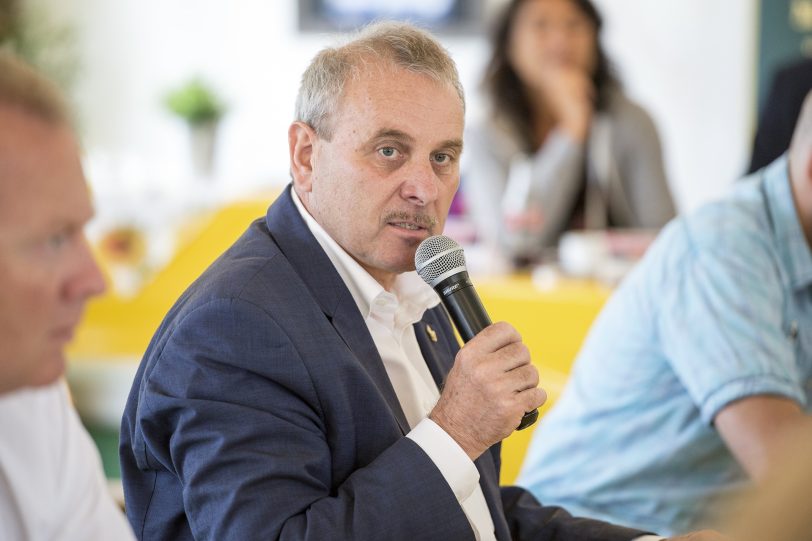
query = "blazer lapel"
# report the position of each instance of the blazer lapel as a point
(350, 325)
(305, 254)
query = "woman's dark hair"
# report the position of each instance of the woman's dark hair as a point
(506, 91)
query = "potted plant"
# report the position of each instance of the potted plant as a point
(201, 108)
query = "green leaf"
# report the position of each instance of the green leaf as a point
(195, 102)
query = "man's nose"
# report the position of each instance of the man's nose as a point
(420, 185)
(87, 279)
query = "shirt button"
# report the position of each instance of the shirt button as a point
(793, 330)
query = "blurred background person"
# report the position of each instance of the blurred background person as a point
(563, 147)
(777, 120)
(697, 367)
(51, 482)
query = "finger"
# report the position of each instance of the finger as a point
(520, 379)
(531, 399)
(513, 356)
(530, 377)
(494, 337)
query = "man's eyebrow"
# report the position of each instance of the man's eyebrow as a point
(389, 133)
(452, 144)
(384, 133)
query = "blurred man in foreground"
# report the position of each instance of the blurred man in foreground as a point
(51, 482)
(697, 366)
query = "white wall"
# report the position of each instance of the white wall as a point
(690, 62)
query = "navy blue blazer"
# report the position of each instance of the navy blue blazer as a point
(262, 410)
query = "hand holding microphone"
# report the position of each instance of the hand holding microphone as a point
(492, 388)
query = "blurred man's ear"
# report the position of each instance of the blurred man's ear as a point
(301, 138)
(808, 168)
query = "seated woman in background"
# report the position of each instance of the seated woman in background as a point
(563, 148)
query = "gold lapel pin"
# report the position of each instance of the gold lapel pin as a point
(431, 333)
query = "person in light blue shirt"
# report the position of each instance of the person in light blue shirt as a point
(698, 366)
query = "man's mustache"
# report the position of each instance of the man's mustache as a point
(429, 222)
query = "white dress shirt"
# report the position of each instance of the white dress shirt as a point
(52, 486)
(390, 317)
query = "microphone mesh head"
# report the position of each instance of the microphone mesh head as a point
(438, 257)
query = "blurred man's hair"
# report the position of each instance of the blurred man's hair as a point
(23, 89)
(402, 44)
(802, 135)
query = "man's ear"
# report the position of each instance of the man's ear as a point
(808, 170)
(301, 139)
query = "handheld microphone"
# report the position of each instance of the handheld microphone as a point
(440, 262)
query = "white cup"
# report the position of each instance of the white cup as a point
(580, 253)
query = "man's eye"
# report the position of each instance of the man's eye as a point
(444, 158)
(57, 240)
(388, 152)
(542, 25)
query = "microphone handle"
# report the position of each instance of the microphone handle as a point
(462, 302)
(470, 317)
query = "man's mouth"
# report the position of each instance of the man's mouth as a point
(410, 221)
(65, 331)
(407, 225)
(64, 334)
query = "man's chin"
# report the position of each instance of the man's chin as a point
(405, 265)
(47, 370)
(50, 370)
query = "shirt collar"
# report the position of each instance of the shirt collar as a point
(410, 296)
(789, 236)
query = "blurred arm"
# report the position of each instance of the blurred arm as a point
(758, 428)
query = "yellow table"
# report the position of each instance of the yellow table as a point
(117, 327)
(553, 322)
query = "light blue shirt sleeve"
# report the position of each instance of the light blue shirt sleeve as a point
(721, 316)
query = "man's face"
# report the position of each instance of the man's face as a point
(385, 180)
(46, 269)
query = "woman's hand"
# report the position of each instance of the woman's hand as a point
(570, 95)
